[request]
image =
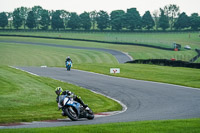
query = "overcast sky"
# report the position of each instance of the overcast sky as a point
(79, 6)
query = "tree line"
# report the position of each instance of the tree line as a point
(36, 17)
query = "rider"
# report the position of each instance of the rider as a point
(60, 95)
(68, 59)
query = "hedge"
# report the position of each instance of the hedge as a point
(165, 62)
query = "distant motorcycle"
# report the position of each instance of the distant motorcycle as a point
(68, 65)
(75, 110)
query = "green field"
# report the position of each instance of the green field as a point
(167, 126)
(21, 85)
(13, 54)
(161, 39)
(173, 75)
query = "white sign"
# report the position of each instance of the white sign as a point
(43, 66)
(114, 70)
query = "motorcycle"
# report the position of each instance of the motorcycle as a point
(75, 110)
(68, 65)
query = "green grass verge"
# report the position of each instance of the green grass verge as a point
(25, 97)
(33, 55)
(173, 75)
(167, 126)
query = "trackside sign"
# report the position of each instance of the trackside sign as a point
(114, 70)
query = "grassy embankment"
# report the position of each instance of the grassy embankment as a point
(167, 126)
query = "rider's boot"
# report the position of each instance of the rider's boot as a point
(86, 107)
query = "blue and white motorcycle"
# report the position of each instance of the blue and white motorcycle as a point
(68, 65)
(75, 110)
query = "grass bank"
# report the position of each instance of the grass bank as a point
(173, 75)
(167, 126)
(35, 55)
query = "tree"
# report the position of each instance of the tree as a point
(65, 17)
(147, 21)
(156, 18)
(74, 21)
(102, 20)
(3, 20)
(182, 21)
(172, 12)
(133, 19)
(85, 21)
(17, 20)
(37, 10)
(93, 16)
(23, 15)
(10, 19)
(163, 21)
(117, 18)
(45, 19)
(57, 21)
(30, 22)
(195, 21)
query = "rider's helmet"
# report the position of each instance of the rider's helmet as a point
(58, 90)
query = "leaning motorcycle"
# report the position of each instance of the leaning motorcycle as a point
(68, 65)
(75, 110)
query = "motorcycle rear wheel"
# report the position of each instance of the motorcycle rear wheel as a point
(90, 115)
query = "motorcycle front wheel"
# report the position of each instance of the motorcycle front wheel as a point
(68, 68)
(71, 113)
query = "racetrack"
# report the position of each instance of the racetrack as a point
(144, 100)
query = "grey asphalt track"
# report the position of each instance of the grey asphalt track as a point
(144, 100)
(120, 56)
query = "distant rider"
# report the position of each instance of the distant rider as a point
(60, 95)
(68, 59)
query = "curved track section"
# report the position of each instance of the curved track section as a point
(144, 100)
(120, 56)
